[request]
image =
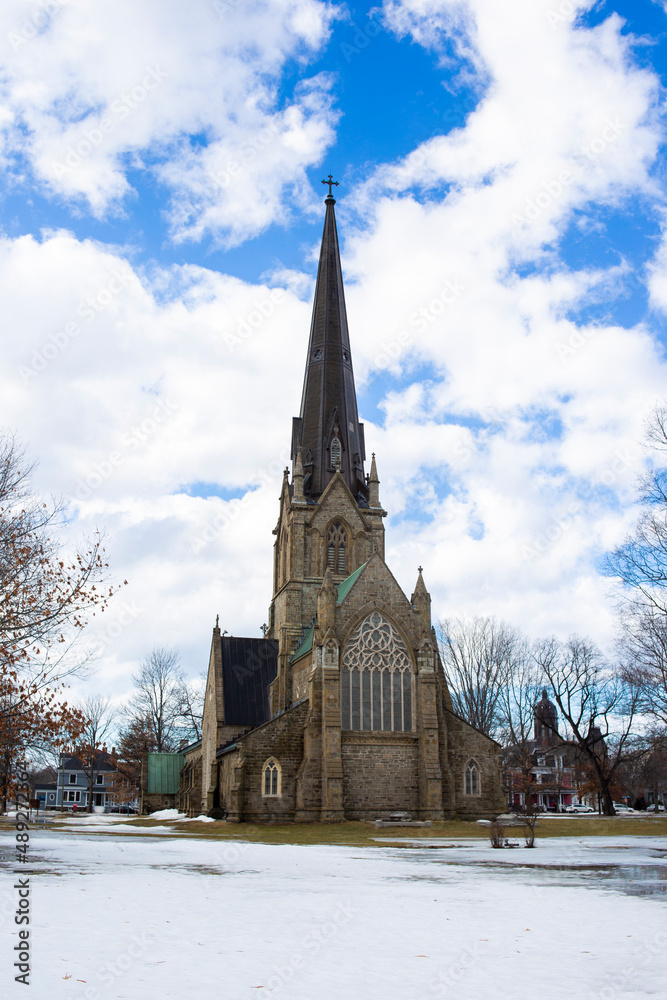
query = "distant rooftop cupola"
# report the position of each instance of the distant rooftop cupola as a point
(327, 429)
(546, 720)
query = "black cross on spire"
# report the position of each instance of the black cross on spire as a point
(331, 184)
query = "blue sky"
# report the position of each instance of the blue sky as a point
(501, 210)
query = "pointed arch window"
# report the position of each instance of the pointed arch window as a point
(376, 678)
(337, 549)
(271, 778)
(471, 779)
(336, 453)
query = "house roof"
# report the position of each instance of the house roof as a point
(103, 762)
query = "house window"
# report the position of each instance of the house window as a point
(100, 779)
(72, 779)
(337, 549)
(335, 453)
(376, 679)
(271, 778)
(471, 785)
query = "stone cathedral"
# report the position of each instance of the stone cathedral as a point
(342, 710)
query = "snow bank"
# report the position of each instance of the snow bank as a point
(164, 916)
(167, 814)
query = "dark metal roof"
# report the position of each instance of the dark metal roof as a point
(102, 762)
(248, 668)
(329, 401)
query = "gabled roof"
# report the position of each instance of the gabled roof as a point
(102, 762)
(345, 587)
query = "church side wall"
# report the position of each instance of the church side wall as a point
(380, 774)
(466, 744)
(282, 739)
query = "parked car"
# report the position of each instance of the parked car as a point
(579, 807)
(622, 809)
(651, 808)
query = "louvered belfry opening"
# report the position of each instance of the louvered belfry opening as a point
(337, 549)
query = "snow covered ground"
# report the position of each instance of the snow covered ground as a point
(165, 917)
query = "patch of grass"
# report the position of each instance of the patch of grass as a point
(359, 834)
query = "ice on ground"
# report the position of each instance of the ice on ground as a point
(196, 919)
(168, 814)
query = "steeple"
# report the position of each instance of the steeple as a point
(327, 429)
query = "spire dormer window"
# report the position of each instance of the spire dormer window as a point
(335, 453)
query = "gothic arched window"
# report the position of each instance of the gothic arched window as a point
(337, 549)
(271, 778)
(471, 779)
(376, 678)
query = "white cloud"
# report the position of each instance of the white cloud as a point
(189, 92)
(567, 121)
(507, 441)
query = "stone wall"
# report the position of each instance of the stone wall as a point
(282, 739)
(380, 774)
(466, 743)
(189, 798)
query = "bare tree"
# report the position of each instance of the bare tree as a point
(598, 706)
(46, 599)
(640, 563)
(643, 647)
(191, 708)
(479, 656)
(517, 712)
(90, 747)
(157, 698)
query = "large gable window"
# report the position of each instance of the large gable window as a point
(376, 678)
(337, 549)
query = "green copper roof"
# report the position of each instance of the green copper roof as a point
(345, 587)
(163, 772)
(306, 645)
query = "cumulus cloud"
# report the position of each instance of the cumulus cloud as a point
(189, 92)
(506, 422)
(523, 447)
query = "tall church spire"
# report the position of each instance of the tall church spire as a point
(327, 429)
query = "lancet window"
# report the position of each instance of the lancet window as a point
(271, 777)
(471, 779)
(376, 678)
